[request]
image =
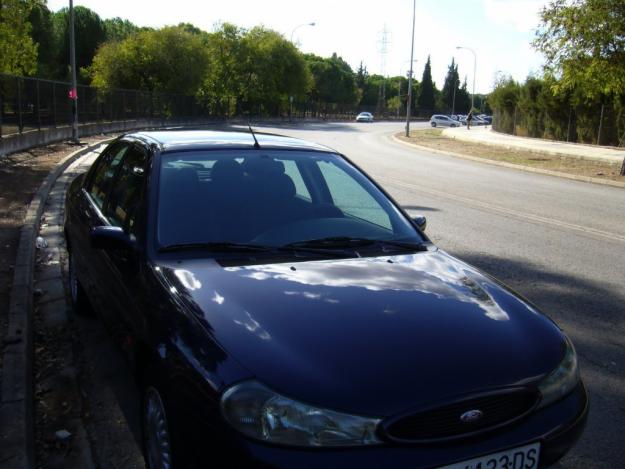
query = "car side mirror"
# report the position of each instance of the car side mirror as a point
(420, 221)
(111, 238)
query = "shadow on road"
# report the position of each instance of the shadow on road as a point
(420, 208)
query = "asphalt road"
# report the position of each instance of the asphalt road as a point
(559, 243)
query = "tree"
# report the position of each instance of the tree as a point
(18, 51)
(334, 81)
(426, 101)
(117, 29)
(451, 87)
(89, 33)
(42, 34)
(274, 70)
(167, 60)
(584, 45)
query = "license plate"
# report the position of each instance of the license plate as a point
(525, 457)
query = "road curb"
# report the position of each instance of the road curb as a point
(530, 169)
(17, 448)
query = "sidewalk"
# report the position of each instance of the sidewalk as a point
(486, 136)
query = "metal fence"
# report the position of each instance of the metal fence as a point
(593, 124)
(28, 104)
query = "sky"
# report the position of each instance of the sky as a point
(499, 31)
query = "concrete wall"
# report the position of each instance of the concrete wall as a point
(34, 138)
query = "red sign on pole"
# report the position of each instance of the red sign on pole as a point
(73, 94)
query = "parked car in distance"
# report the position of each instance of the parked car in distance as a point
(364, 117)
(486, 118)
(280, 310)
(439, 120)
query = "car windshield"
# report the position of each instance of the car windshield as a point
(264, 198)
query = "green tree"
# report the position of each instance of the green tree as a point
(43, 36)
(89, 33)
(333, 82)
(451, 88)
(274, 71)
(118, 29)
(504, 99)
(584, 43)
(426, 101)
(223, 88)
(18, 51)
(167, 60)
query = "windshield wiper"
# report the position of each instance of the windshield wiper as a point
(216, 246)
(342, 242)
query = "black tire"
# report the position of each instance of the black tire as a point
(433, 124)
(157, 439)
(80, 303)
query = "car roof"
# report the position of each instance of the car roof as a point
(184, 140)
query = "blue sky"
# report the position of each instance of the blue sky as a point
(500, 31)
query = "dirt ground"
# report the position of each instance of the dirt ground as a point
(432, 138)
(21, 174)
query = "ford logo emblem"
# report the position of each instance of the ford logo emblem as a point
(471, 415)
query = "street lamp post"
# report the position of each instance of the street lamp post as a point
(293, 32)
(408, 104)
(474, 68)
(299, 26)
(74, 91)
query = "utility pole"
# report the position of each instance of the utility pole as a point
(414, 7)
(74, 91)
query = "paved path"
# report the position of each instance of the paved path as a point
(488, 136)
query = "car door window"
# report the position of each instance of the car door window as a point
(124, 200)
(351, 197)
(100, 182)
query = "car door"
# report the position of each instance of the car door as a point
(121, 270)
(86, 214)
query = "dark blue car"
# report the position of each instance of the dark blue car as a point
(281, 310)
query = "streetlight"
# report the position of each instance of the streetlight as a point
(474, 68)
(299, 26)
(414, 8)
(292, 32)
(74, 91)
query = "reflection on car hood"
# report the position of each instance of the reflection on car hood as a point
(370, 335)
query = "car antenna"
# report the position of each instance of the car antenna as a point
(256, 144)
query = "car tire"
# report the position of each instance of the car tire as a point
(80, 303)
(157, 439)
(433, 124)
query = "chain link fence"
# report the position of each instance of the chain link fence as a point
(28, 104)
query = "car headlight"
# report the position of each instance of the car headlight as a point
(262, 414)
(562, 380)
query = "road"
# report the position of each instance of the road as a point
(559, 243)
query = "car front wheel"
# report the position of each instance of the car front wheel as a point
(156, 434)
(433, 124)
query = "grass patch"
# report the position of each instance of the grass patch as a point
(433, 138)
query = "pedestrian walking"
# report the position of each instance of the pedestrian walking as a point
(469, 119)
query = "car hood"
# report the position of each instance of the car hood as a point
(373, 336)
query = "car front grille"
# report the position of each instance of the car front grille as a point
(444, 422)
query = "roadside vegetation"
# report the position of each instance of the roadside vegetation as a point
(433, 138)
(580, 96)
(229, 70)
